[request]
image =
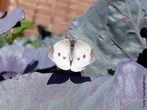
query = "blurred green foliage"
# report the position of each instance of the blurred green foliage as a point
(18, 33)
(34, 43)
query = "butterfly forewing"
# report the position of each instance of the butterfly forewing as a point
(83, 55)
(59, 53)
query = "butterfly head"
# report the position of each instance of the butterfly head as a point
(72, 39)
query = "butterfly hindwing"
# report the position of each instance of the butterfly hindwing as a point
(83, 55)
(59, 53)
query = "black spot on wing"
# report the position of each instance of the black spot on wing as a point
(59, 54)
(84, 56)
(64, 58)
(78, 58)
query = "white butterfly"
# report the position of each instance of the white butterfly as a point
(71, 54)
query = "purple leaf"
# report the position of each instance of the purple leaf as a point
(23, 59)
(11, 20)
(15, 59)
(8, 74)
(144, 8)
(123, 91)
(41, 55)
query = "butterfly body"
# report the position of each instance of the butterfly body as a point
(72, 45)
(71, 54)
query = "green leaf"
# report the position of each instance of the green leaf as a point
(1, 45)
(24, 25)
(16, 35)
(35, 44)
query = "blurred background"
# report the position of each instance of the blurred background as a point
(56, 15)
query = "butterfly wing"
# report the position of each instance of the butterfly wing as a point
(83, 55)
(59, 54)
